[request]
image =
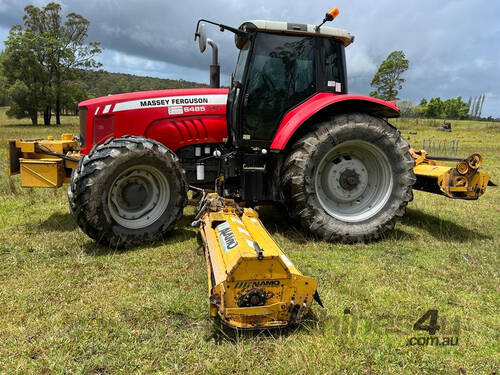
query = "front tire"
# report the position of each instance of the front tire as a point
(128, 191)
(349, 178)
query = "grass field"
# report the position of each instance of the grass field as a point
(68, 306)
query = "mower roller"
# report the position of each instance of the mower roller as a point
(251, 282)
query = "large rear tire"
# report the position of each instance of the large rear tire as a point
(349, 178)
(128, 191)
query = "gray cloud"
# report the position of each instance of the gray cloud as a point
(452, 45)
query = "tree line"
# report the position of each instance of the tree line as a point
(48, 66)
(101, 83)
(41, 58)
(452, 108)
(96, 83)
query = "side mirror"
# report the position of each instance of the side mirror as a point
(201, 34)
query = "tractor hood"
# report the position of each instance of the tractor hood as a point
(177, 118)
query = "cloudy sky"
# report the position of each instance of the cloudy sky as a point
(453, 45)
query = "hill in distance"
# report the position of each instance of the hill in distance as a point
(102, 83)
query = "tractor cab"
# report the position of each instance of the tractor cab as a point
(280, 66)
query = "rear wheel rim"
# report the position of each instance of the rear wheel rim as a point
(138, 197)
(354, 181)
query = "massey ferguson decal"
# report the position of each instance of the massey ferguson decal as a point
(174, 103)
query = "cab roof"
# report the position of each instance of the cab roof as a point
(341, 35)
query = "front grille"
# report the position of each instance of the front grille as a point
(103, 127)
(83, 125)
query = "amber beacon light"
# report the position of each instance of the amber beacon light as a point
(332, 13)
(330, 16)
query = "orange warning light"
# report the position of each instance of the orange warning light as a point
(334, 12)
(330, 16)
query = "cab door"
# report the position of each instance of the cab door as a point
(281, 75)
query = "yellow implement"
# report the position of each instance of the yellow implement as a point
(43, 162)
(464, 181)
(251, 282)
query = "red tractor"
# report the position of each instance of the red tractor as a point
(286, 131)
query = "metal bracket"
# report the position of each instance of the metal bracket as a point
(255, 169)
(258, 249)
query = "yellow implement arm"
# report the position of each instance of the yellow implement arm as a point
(464, 181)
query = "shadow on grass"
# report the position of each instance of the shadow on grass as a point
(222, 333)
(441, 229)
(398, 234)
(57, 222)
(182, 232)
(277, 221)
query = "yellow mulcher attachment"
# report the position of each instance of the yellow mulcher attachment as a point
(251, 282)
(43, 162)
(464, 181)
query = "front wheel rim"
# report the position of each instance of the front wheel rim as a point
(138, 197)
(354, 181)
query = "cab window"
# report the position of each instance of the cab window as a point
(334, 66)
(281, 75)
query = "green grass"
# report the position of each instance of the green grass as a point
(69, 306)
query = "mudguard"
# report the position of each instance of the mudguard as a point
(332, 103)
